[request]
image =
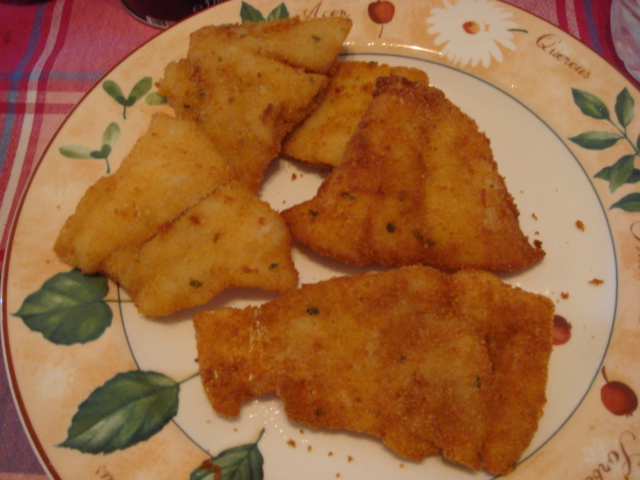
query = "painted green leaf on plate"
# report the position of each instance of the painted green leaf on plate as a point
(249, 13)
(621, 172)
(605, 174)
(590, 104)
(111, 134)
(114, 91)
(139, 90)
(630, 203)
(76, 151)
(624, 107)
(68, 308)
(244, 462)
(104, 152)
(129, 408)
(278, 13)
(109, 138)
(155, 99)
(596, 139)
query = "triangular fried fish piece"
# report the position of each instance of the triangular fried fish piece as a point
(418, 184)
(245, 104)
(321, 139)
(312, 44)
(247, 85)
(229, 239)
(399, 355)
(172, 166)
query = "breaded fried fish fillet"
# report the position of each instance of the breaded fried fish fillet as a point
(428, 362)
(247, 85)
(312, 45)
(229, 239)
(245, 103)
(323, 136)
(174, 227)
(418, 184)
(170, 168)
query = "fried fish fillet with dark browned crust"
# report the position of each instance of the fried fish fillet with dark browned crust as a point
(249, 84)
(321, 139)
(427, 361)
(518, 341)
(418, 184)
(170, 168)
(229, 239)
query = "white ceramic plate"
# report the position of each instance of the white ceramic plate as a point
(561, 124)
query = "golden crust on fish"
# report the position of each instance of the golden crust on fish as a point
(174, 227)
(519, 344)
(312, 44)
(238, 92)
(245, 105)
(418, 185)
(229, 239)
(171, 167)
(427, 361)
(323, 136)
(248, 85)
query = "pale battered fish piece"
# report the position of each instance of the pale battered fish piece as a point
(229, 239)
(418, 185)
(427, 361)
(245, 105)
(247, 85)
(170, 168)
(321, 139)
(312, 44)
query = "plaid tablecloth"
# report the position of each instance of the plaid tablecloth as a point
(51, 53)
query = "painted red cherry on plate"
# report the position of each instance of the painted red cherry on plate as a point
(561, 330)
(618, 397)
(381, 12)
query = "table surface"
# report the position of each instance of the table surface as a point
(52, 53)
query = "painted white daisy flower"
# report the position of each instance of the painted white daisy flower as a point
(472, 31)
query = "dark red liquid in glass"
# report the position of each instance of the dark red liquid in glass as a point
(164, 13)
